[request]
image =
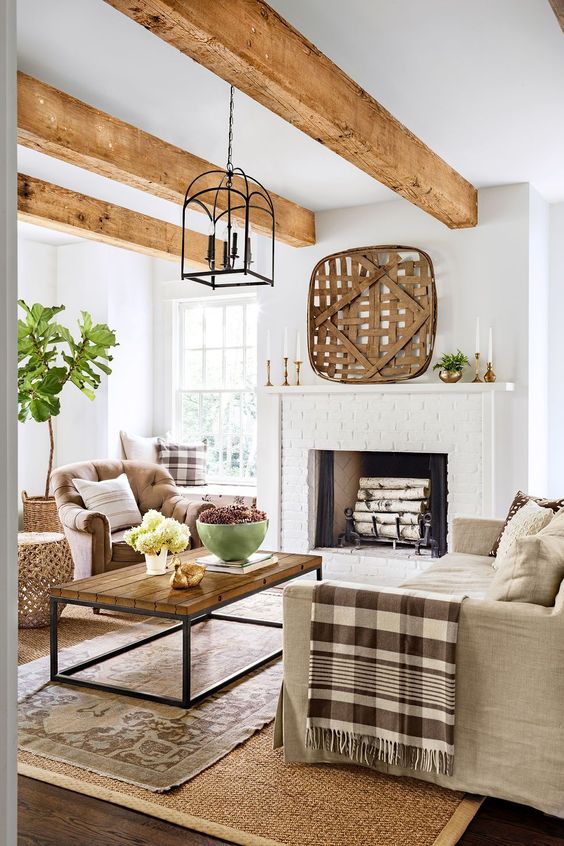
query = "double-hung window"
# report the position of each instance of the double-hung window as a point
(216, 395)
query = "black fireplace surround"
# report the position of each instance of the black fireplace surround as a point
(426, 465)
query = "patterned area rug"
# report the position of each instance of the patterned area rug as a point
(143, 743)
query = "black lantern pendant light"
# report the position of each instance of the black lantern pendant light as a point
(232, 201)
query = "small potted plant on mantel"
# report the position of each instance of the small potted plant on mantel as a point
(451, 366)
(48, 358)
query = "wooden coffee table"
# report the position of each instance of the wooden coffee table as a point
(131, 590)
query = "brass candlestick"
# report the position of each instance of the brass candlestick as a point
(268, 382)
(489, 374)
(477, 376)
(285, 383)
(298, 365)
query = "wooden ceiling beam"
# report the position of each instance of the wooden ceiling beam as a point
(252, 47)
(62, 126)
(59, 208)
(558, 9)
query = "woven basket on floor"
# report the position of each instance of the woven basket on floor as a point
(44, 560)
(40, 514)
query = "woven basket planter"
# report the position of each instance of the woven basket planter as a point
(44, 560)
(40, 514)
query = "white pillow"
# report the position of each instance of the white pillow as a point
(138, 448)
(112, 497)
(528, 520)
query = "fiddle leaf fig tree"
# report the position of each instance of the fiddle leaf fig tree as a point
(49, 357)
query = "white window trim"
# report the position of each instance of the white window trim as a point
(178, 390)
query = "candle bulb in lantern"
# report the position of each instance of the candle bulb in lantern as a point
(285, 352)
(234, 254)
(490, 346)
(211, 245)
(223, 235)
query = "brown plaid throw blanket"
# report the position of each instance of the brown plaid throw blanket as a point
(382, 675)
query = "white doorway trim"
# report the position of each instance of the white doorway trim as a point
(8, 435)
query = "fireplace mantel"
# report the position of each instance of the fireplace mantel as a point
(407, 387)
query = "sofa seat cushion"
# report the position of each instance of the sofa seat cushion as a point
(122, 552)
(456, 572)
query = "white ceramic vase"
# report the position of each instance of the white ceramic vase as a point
(156, 564)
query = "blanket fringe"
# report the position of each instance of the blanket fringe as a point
(368, 750)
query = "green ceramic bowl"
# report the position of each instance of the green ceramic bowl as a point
(232, 541)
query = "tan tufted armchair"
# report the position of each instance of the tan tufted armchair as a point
(95, 549)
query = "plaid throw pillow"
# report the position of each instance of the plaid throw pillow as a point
(185, 462)
(519, 501)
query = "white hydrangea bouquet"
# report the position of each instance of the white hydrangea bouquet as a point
(155, 537)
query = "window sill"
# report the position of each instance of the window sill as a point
(216, 490)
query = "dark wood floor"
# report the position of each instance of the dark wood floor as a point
(50, 816)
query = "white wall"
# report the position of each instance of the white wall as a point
(82, 286)
(116, 287)
(555, 340)
(494, 271)
(479, 272)
(482, 272)
(538, 302)
(37, 283)
(130, 314)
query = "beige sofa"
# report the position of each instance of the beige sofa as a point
(95, 549)
(509, 735)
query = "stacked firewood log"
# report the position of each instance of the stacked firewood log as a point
(392, 508)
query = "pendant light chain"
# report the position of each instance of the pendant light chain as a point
(230, 136)
(229, 208)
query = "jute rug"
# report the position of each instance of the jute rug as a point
(252, 798)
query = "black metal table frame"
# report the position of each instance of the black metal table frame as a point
(185, 625)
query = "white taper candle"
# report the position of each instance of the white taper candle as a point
(268, 350)
(477, 347)
(490, 346)
(298, 348)
(285, 352)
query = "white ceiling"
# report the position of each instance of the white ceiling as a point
(31, 232)
(479, 81)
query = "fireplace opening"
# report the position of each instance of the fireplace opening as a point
(382, 499)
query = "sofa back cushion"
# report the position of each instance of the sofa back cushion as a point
(534, 569)
(529, 520)
(519, 500)
(112, 497)
(138, 448)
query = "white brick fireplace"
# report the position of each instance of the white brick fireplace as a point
(458, 420)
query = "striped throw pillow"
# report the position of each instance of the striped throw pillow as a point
(112, 497)
(185, 462)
